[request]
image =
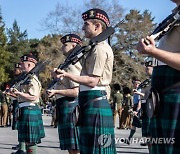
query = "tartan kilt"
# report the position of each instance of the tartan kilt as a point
(68, 132)
(166, 124)
(30, 125)
(96, 127)
(14, 112)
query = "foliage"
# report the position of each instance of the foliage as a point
(135, 27)
(67, 19)
(4, 55)
(17, 42)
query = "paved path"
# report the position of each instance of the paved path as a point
(50, 144)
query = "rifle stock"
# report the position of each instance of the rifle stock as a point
(165, 26)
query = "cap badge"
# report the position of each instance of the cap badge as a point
(91, 13)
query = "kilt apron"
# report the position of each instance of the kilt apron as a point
(30, 125)
(68, 132)
(96, 126)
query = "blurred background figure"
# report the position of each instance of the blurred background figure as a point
(4, 107)
(54, 110)
(125, 122)
(1, 100)
(117, 102)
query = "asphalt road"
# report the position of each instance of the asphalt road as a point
(50, 144)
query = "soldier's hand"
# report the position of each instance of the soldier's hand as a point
(53, 73)
(135, 113)
(146, 45)
(60, 73)
(50, 93)
(15, 91)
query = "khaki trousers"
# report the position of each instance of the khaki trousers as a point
(119, 112)
(4, 114)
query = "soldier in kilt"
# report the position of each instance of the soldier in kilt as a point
(30, 124)
(96, 124)
(17, 73)
(165, 79)
(66, 92)
(144, 95)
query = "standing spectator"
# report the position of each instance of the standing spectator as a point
(1, 100)
(117, 102)
(8, 101)
(125, 121)
(4, 110)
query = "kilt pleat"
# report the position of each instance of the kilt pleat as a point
(96, 127)
(30, 125)
(167, 123)
(68, 132)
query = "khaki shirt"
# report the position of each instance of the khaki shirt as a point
(117, 100)
(31, 86)
(65, 83)
(171, 41)
(99, 62)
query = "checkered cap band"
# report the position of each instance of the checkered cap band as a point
(96, 14)
(29, 57)
(71, 38)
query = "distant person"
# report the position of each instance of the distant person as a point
(4, 106)
(1, 100)
(127, 104)
(117, 102)
(136, 107)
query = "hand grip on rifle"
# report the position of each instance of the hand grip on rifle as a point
(165, 26)
(144, 83)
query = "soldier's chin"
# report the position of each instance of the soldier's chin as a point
(87, 35)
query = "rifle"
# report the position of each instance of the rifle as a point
(144, 83)
(25, 76)
(78, 52)
(166, 25)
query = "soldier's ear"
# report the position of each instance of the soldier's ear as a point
(97, 25)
